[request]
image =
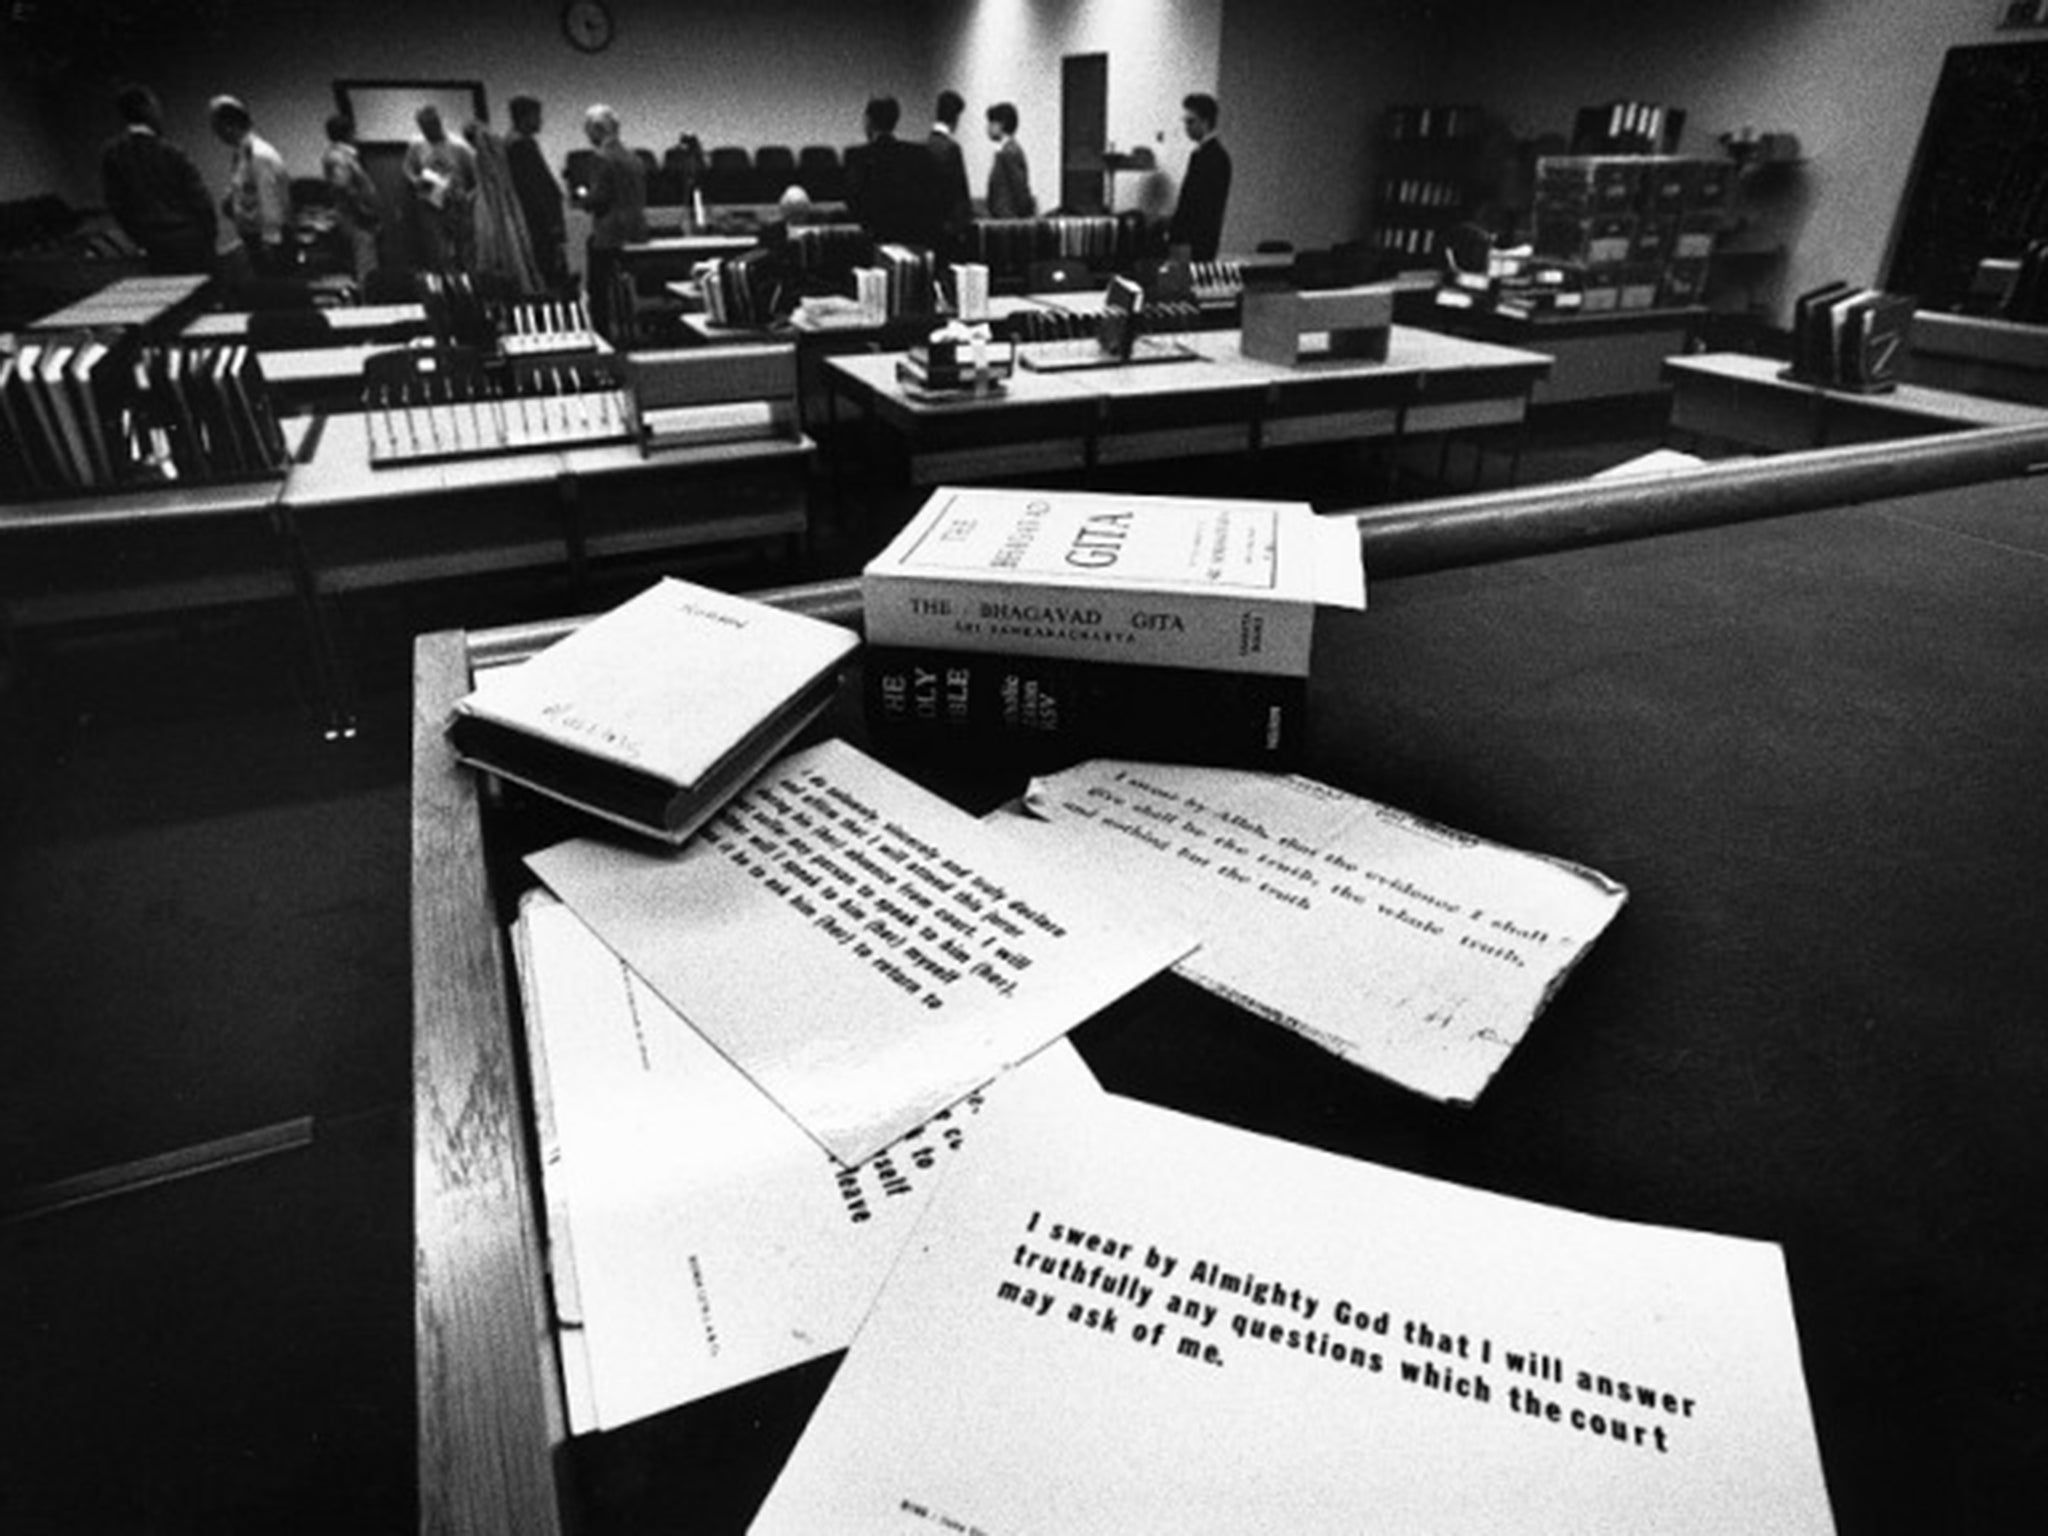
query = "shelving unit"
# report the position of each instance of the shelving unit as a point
(1753, 245)
(1642, 228)
(1431, 178)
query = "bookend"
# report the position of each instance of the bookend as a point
(1850, 339)
(1357, 322)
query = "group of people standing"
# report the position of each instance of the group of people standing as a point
(478, 202)
(918, 195)
(481, 202)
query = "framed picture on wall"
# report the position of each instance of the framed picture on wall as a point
(383, 110)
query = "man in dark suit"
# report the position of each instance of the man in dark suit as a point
(154, 192)
(616, 200)
(1205, 190)
(951, 164)
(539, 194)
(893, 188)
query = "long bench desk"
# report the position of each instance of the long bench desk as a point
(343, 324)
(1737, 398)
(1219, 401)
(334, 525)
(1816, 1022)
(1606, 355)
(1981, 354)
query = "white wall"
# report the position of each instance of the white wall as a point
(1306, 84)
(1010, 50)
(31, 164)
(746, 72)
(1851, 78)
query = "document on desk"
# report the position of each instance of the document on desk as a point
(867, 953)
(1412, 950)
(1150, 1322)
(697, 1237)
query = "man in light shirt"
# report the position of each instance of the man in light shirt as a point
(259, 195)
(442, 171)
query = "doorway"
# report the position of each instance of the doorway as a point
(1084, 131)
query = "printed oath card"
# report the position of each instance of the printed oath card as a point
(697, 1238)
(1410, 949)
(864, 951)
(1148, 1322)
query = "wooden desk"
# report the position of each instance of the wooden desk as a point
(333, 525)
(161, 552)
(345, 323)
(319, 378)
(1980, 356)
(86, 558)
(1596, 357)
(1816, 1021)
(360, 527)
(129, 301)
(1219, 401)
(1741, 399)
(686, 247)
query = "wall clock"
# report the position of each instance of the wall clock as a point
(588, 25)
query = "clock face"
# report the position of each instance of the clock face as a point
(587, 24)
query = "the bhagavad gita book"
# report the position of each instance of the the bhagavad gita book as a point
(1123, 1319)
(655, 714)
(1161, 581)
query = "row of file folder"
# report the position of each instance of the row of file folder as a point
(91, 413)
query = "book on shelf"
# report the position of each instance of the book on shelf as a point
(1125, 1318)
(1164, 581)
(653, 715)
(1039, 709)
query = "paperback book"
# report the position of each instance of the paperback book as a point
(655, 714)
(1161, 581)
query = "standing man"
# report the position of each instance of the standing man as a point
(617, 201)
(954, 198)
(259, 196)
(442, 172)
(893, 188)
(356, 201)
(1009, 174)
(154, 192)
(539, 194)
(1205, 190)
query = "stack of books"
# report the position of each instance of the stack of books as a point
(654, 715)
(740, 290)
(957, 359)
(1435, 121)
(1846, 337)
(830, 252)
(912, 279)
(1052, 626)
(95, 414)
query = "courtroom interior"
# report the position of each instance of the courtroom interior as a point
(1681, 370)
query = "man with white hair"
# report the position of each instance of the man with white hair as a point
(616, 198)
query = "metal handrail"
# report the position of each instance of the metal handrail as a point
(1478, 529)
